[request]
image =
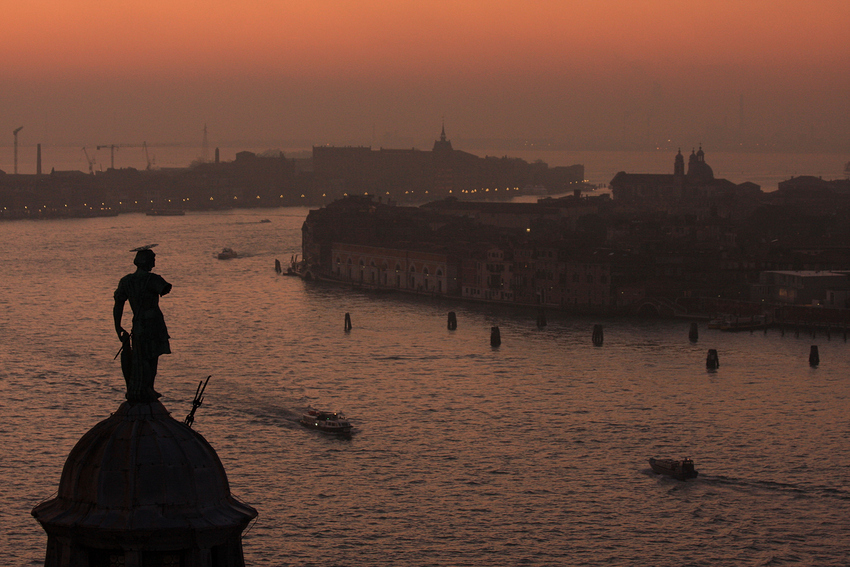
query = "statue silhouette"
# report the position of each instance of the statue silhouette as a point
(148, 338)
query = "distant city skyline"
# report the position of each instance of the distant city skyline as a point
(610, 74)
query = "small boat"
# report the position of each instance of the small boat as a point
(265, 221)
(166, 213)
(744, 323)
(326, 422)
(719, 321)
(227, 254)
(681, 470)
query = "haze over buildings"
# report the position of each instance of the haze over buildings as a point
(605, 74)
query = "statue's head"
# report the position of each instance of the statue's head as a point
(145, 259)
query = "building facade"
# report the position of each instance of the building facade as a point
(395, 268)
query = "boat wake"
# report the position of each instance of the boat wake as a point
(813, 491)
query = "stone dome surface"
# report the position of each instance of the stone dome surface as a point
(699, 171)
(142, 471)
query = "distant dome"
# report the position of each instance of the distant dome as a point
(698, 170)
(140, 475)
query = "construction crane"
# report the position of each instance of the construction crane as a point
(112, 149)
(15, 133)
(89, 160)
(147, 157)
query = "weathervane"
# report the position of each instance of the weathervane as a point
(196, 403)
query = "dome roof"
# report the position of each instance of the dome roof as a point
(698, 170)
(141, 470)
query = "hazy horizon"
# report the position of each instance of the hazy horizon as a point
(604, 75)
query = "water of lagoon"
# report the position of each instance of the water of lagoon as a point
(533, 453)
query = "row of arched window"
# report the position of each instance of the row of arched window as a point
(384, 267)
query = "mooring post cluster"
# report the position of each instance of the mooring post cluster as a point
(712, 360)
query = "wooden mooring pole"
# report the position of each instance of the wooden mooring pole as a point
(814, 357)
(598, 336)
(712, 361)
(495, 337)
(541, 318)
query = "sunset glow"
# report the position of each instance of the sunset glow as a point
(336, 69)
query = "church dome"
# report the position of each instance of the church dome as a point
(141, 473)
(698, 170)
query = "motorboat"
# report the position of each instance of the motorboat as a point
(719, 321)
(227, 254)
(326, 422)
(681, 470)
(744, 323)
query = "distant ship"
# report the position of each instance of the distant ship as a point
(166, 212)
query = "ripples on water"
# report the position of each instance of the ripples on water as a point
(534, 453)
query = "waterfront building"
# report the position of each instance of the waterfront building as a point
(523, 216)
(368, 243)
(693, 191)
(408, 269)
(803, 287)
(811, 186)
(487, 274)
(412, 175)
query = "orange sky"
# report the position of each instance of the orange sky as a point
(350, 71)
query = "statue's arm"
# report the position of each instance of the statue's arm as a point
(117, 314)
(157, 284)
